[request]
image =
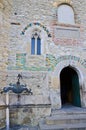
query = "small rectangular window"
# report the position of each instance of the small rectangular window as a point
(38, 46)
(33, 46)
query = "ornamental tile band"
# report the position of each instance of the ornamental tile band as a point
(51, 62)
(38, 24)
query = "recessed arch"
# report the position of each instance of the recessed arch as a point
(65, 14)
(70, 87)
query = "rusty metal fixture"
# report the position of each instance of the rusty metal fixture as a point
(17, 88)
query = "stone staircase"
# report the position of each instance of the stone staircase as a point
(72, 118)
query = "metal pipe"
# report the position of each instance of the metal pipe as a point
(7, 111)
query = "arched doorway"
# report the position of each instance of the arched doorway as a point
(70, 89)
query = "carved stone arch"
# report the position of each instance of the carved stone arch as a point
(66, 3)
(36, 32)
(78, 71)
(70, 87)
(57, 73)
(36, 24)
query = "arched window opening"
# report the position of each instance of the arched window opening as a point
(35, 44)
(38, 46)
(65, 14)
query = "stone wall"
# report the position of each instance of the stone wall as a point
(24, 20)
(5, 9)
(62, 45)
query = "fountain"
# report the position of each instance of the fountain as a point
(15, 88)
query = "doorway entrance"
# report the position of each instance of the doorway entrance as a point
(70, 89)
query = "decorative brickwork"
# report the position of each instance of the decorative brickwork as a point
(38, 24)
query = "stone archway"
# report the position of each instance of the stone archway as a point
(70, 87)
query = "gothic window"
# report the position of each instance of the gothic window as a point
(38, 46)
(65, 14)
(35, 44)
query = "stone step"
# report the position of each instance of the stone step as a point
(65, 119)
(68, 111)
(77, 126)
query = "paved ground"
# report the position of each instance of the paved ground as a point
(29, 128)
(23, 128)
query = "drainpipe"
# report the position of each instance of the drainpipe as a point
(7, 111)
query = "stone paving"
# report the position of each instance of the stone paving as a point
(29, 128)
(23, 128)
